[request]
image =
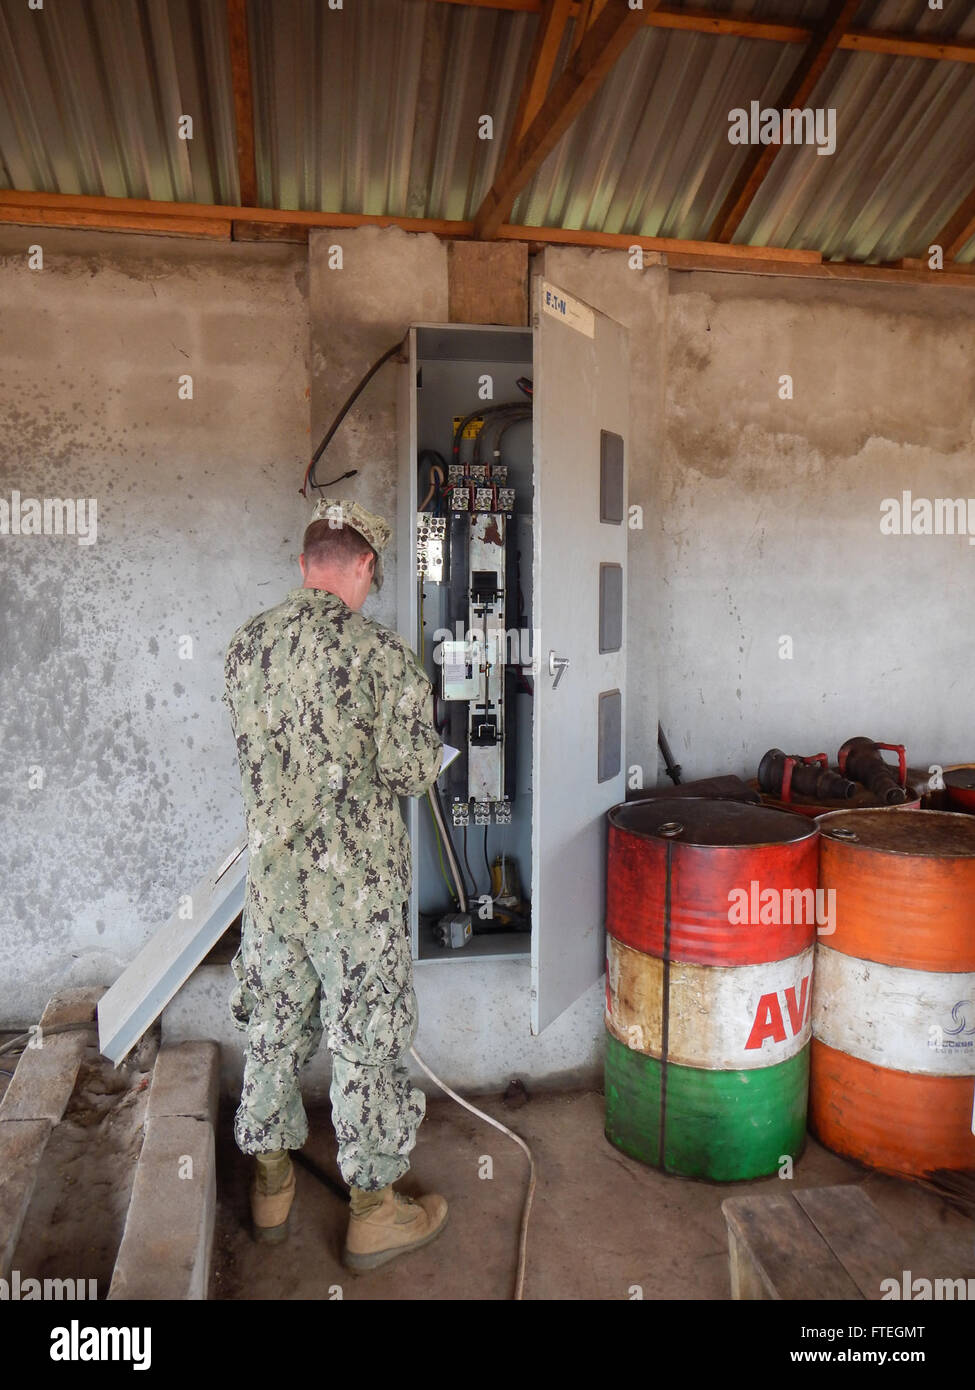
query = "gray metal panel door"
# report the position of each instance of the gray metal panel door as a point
(581, 375)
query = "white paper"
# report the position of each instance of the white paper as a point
(449, 754)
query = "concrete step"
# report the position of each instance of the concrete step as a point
(167, 1245)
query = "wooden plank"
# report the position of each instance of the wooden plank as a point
(867, 1247)
(904, 46)
(242, 230)
(724, 25)
(571, 236)
(487, 282)
(960, 278)
(752, 174)
(240, 71)
(786, 1252)
(13, 198)
(747, 1283)
(721, 25)
(158, 224)
(541, 65)
(958, 230)
(575, 87)
(217, 222)
(582, 22)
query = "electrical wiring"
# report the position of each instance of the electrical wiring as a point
(438, 476)
(309, 478)
(23, 1040)
(506, 415)
(482, 413)
(529, 1196)
(436, 832)
(438, 813)
(468, 863)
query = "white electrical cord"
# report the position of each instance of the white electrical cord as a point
(523, 1240)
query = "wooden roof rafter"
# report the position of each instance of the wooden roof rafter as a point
(958, 230)
(577, 84)
(240, 72)
(794, 95)
(886, 41)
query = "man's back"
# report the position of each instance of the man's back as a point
(333, 719)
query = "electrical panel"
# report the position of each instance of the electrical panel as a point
(466, 491)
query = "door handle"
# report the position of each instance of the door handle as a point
(556, 666)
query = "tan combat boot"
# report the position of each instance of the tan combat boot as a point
(272, 1193)
(385, 1224)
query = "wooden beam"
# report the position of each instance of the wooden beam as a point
(217, 221)
(583, 19)
(161, 224)
(903, 46)
(240, 70)
(958, 230)
(956, 278)
(622, 241)
(13, 200)
(728, 26)
(541, 65)
(718, 23)
(242, 230)
(575, 87)
(794, 95)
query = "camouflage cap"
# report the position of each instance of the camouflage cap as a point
(341, 512)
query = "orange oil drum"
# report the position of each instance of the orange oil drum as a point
(892, 1066)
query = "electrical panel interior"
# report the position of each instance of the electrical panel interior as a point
(470, 487)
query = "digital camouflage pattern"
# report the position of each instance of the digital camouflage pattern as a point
(355, 986)
(333, 719)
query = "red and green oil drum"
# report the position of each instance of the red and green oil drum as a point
(711, 916)
(893, 1054)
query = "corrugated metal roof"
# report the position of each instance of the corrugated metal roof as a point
(374, 108)
(91, 95)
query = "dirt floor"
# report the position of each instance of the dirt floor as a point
(77, 1213)
(601, 1223)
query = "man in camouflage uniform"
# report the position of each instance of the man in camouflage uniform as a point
(333, 719)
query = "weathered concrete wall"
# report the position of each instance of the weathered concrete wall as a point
(198, 526)
(761, 519)
(770, 515)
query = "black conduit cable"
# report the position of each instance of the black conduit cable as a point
(499, 423)
(23, 1040)
(309, 479)
(673, 769)
(505, 414)
(476, 415)
(467, 862)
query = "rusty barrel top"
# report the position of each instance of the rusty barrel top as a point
(904, 884)
(698, 856)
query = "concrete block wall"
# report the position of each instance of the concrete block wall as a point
(119, 772)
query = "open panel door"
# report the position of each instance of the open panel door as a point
(581, 423)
